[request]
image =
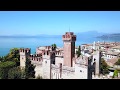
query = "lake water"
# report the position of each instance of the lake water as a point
(7, 43)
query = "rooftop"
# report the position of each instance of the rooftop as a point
(113, 60)
(116, 47)
(113, 53)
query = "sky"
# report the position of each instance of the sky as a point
(58, 22)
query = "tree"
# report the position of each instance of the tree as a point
(54, 46)
(115, 73)
(104, 67)
(13, 55)
(118, 62)
(1, 59)
(29, 69)
(15, 73)
(5, 67)
(78, 52)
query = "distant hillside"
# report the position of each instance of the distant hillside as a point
(110, 35)
(114, 36)
(89, 34)
(29, 36)
(79, 35)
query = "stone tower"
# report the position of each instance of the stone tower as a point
(47, 64)
(69, 48)
(97, 61)
(24, 54)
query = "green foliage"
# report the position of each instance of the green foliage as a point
(4, 68)
(7, 64)
(29, 69)
(54, 46)
(78, 52)
(104, 67)
(1, 59)
(118, 62)
(13, 55)
(15, 73)
(115, 73)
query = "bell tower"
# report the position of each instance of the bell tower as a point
(69, 48)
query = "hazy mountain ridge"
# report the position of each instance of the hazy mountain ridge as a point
(27, 36)
(79, 35)
(89, 34)
(113, 37)
(110, 35)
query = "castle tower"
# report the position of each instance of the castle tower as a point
(47, 63)
(24, 54)
(89, 74)
(69, 48)
(97, 60)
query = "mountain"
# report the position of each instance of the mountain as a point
(114, 36)
(29, 36)
(79, 35)
(110, 35)
(89, 34)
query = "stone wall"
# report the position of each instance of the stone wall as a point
(43, 69)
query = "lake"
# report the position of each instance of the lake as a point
(7, 43)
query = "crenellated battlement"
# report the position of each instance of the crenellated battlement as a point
(48, 47)
(25, 50)
(46, 52)
(58, 53)
(69, 36)
(36, 57)
(43, 49)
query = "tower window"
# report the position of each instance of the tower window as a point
(22, 58)
(80, 70)
(45, 61)
(47, 52)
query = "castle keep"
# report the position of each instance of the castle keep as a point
(69, 48)
(62, 63)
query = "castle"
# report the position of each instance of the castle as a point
(62, 63)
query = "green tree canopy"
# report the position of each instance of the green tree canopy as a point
(78, 52)
(54, 46)
(13, 55)
(104, 67)
(29, 69)
(1, 59)
(4, 68)
(115, 73)
(118, 62)
(15, 73)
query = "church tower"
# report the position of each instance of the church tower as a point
(69, 48)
